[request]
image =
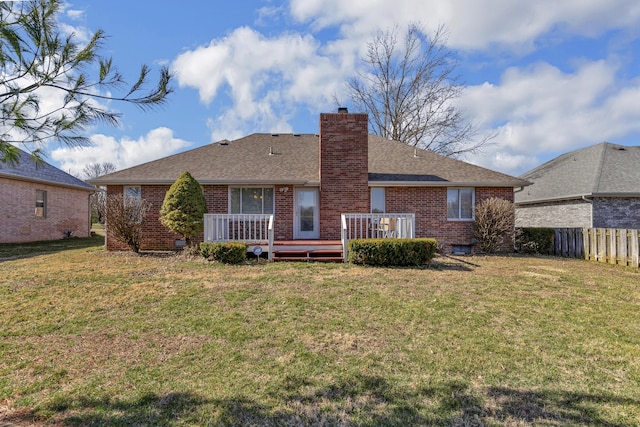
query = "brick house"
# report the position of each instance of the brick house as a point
(307, 182)
(41, 202)
(593, 187)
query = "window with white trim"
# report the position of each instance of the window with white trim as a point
(377, 200)
(135, 192)
(41, 203)
(461, 203)
(251, 200)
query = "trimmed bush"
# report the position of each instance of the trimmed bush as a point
(392, 252)
(224, 252)
(184, 207)
(535, 240)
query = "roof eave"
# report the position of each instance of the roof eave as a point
(513, 184)
(107, 182)
(46, 182)
(575, 197)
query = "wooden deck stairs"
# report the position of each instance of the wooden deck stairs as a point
(308, 250)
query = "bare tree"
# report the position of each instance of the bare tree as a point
(98, 199)
(408, 87)
(95, 170)
(125, 218)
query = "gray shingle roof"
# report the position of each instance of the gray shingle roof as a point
(27, 170)
(293, 158)
(603, 169)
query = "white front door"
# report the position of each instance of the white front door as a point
(307, 214)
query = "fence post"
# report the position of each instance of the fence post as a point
(634, 248)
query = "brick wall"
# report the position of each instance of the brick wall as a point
(284, 212)
(616, 212)
(344, 176)
(572, 213)
(429, 204)
(155, 235)
(67, 209)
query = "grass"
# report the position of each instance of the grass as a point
(96, 338)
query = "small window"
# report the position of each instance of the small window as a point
(41, 203)
(133, 192)
(251, 200)
(377, 200)
(460, 203)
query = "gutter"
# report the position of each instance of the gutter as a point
(444, 184)
(587, 198)
(164, 181)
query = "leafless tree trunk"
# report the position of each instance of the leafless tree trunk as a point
(408, 88)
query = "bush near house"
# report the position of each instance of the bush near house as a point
(392, 252)
(535, 240)
(183, 208)
(493, 226)
(224, 252)
(125, 218)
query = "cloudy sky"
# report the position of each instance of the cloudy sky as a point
(547, 76)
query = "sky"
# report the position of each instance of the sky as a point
(544, 77)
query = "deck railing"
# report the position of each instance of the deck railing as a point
(253, 229)
(375, 226)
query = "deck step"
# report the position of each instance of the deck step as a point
(333, 255)
(308, 259)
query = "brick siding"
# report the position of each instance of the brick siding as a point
(155, 235)
(613, 212)
(283, 218)
(429, 204)
(67, 209)
(573, 213)
(344, 176)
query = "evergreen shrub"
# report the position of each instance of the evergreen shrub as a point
(392, 252)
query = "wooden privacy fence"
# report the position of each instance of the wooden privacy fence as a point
(612, 245)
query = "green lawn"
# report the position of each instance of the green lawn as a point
(96, 338)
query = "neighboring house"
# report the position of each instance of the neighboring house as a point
(41, 202)
(308, 181)
(597, 186)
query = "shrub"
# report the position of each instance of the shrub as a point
(224, 252)
(124, 219)
(494, 225)
(392, 252)
(184, 207)
(535, 240)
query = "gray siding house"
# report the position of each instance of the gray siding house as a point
(597, 186)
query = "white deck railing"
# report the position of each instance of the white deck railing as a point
(253, 229)
(375, 226)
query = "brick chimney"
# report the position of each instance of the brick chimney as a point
(344, 169)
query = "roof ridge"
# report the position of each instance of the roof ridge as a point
(598, 173)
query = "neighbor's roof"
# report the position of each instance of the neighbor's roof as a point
(294, 159)
(603, 170)
(42, 172)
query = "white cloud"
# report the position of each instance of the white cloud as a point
(541, 109)
(535, 110)
(264, 77)
(473, 24)
(124, 153)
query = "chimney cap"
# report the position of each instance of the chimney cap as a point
(343, 110)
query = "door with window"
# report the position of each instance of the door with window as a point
(307, 214)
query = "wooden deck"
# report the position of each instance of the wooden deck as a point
(308, 250)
